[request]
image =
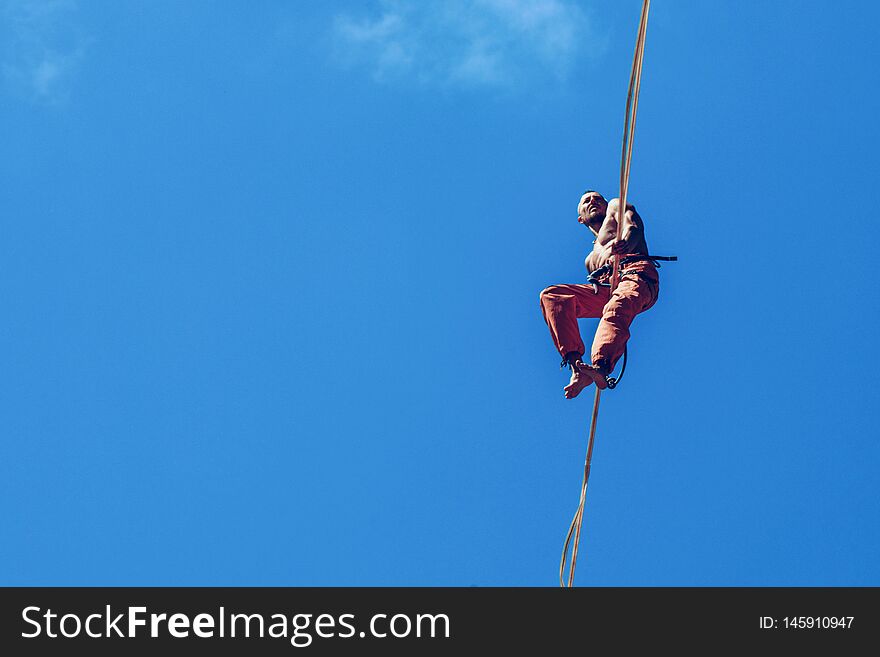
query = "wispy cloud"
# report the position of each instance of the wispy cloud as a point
(42, 48)
(469, 42)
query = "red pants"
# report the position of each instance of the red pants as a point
(564, 304)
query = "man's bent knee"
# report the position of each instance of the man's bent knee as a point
(550, 294)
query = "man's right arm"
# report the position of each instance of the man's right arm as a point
(631, 233)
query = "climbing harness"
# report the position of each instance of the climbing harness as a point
(629, 125)
(595, 277)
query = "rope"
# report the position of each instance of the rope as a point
(613, 381)
(577, 521)
(629, 128)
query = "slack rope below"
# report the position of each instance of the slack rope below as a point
(629, 127)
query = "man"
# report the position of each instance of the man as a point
(635, 293)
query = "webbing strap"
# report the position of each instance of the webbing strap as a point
(629, 126)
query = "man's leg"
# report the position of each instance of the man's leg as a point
(633, 295)
(562, 305)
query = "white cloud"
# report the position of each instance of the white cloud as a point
(471, 42)
(42, 47)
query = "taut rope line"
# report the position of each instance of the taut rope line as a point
(629, 128)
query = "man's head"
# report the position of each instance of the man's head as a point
(592, 209)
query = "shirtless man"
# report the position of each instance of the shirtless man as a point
(637, 290)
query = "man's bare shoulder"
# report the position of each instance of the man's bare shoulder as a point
(608, 230)
(614, 206)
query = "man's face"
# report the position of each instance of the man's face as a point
(592, 208)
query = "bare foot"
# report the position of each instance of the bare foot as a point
(582, 375)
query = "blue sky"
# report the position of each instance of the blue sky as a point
(270, 289)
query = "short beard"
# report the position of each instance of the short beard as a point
(595, 223)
